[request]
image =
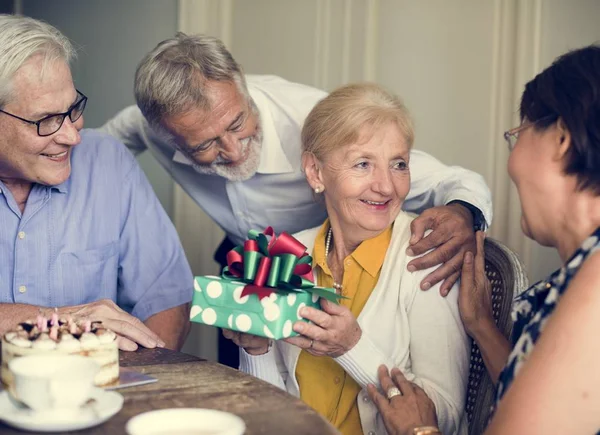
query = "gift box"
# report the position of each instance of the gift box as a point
(261, 291)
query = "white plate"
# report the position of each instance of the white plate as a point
(107, 404)
(186, 420)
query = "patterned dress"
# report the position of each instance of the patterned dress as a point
(532, 309)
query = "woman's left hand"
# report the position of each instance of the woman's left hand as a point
(405, 411)
(333, 333)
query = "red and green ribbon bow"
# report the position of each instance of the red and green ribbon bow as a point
(268, 263)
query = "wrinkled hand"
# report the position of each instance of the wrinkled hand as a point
(333, 333)
(402, 413)
(452, 235)
(475, 298)
(252, 344)
(130, 330)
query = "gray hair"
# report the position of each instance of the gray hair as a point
(171, 78)
(23, 38)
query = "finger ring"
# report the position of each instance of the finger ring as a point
(393, 392)
(311, 344)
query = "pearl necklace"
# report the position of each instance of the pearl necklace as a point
(336, 285)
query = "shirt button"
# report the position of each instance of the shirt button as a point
(366, 399)
(348, 263)
(372, 432)
(21, 235)
(22, 289)
(337, 380)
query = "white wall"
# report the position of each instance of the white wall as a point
(459, 65)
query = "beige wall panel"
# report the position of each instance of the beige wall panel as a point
(437, 56)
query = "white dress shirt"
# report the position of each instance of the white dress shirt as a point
(278, 194)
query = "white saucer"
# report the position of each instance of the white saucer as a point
(185, 420)
(107, 404)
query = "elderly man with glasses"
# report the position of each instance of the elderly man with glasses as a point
(81, 230)
(232, 141)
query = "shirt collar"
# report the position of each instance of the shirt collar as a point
(370, 254)
(272, 157)
(62, 187)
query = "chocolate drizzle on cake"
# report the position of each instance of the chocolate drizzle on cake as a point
(27, 326)
(50, 333)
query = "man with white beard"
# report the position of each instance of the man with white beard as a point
(233, 144)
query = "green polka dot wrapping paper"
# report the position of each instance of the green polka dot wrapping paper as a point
(266, 283)
(218, 302)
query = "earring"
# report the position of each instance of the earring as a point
(318, 190)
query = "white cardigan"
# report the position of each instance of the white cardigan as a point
(417, 331)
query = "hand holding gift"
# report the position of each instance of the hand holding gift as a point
(262, 291)
(252, 344)
(333, 332)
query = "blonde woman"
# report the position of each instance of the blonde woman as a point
(356, 151)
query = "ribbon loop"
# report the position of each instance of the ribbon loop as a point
(268, 263)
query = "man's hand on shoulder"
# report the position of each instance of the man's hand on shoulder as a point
(131, 330)
(451, 237)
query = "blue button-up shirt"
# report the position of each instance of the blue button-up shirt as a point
(102, 234)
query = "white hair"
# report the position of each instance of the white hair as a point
(22, 38)
(171, 79)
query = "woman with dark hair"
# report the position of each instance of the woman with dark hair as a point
(548, 380)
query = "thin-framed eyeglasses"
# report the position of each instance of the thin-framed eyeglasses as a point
(50, 124)
(511, 136)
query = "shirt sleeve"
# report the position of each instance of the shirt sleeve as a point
(439, 352)
(128, 126)
(154, 274)
(269, 367)
(434, 184)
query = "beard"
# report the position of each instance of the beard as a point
(251, 147)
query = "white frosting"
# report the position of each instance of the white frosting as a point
(105, 356)
(20, 341)
(89, 341)
(101, 346)
(107, 375)
(106, 336)
(69, 343)
(44, 342)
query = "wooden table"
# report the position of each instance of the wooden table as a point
(186, 381)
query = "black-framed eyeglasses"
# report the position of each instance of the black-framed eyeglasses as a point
(511, 136)
(50, 124)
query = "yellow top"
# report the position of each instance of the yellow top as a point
(324, 385)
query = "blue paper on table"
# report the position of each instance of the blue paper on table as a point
(130, 378)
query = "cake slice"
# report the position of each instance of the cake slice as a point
(67, 336)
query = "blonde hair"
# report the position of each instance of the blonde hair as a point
(337, 120)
